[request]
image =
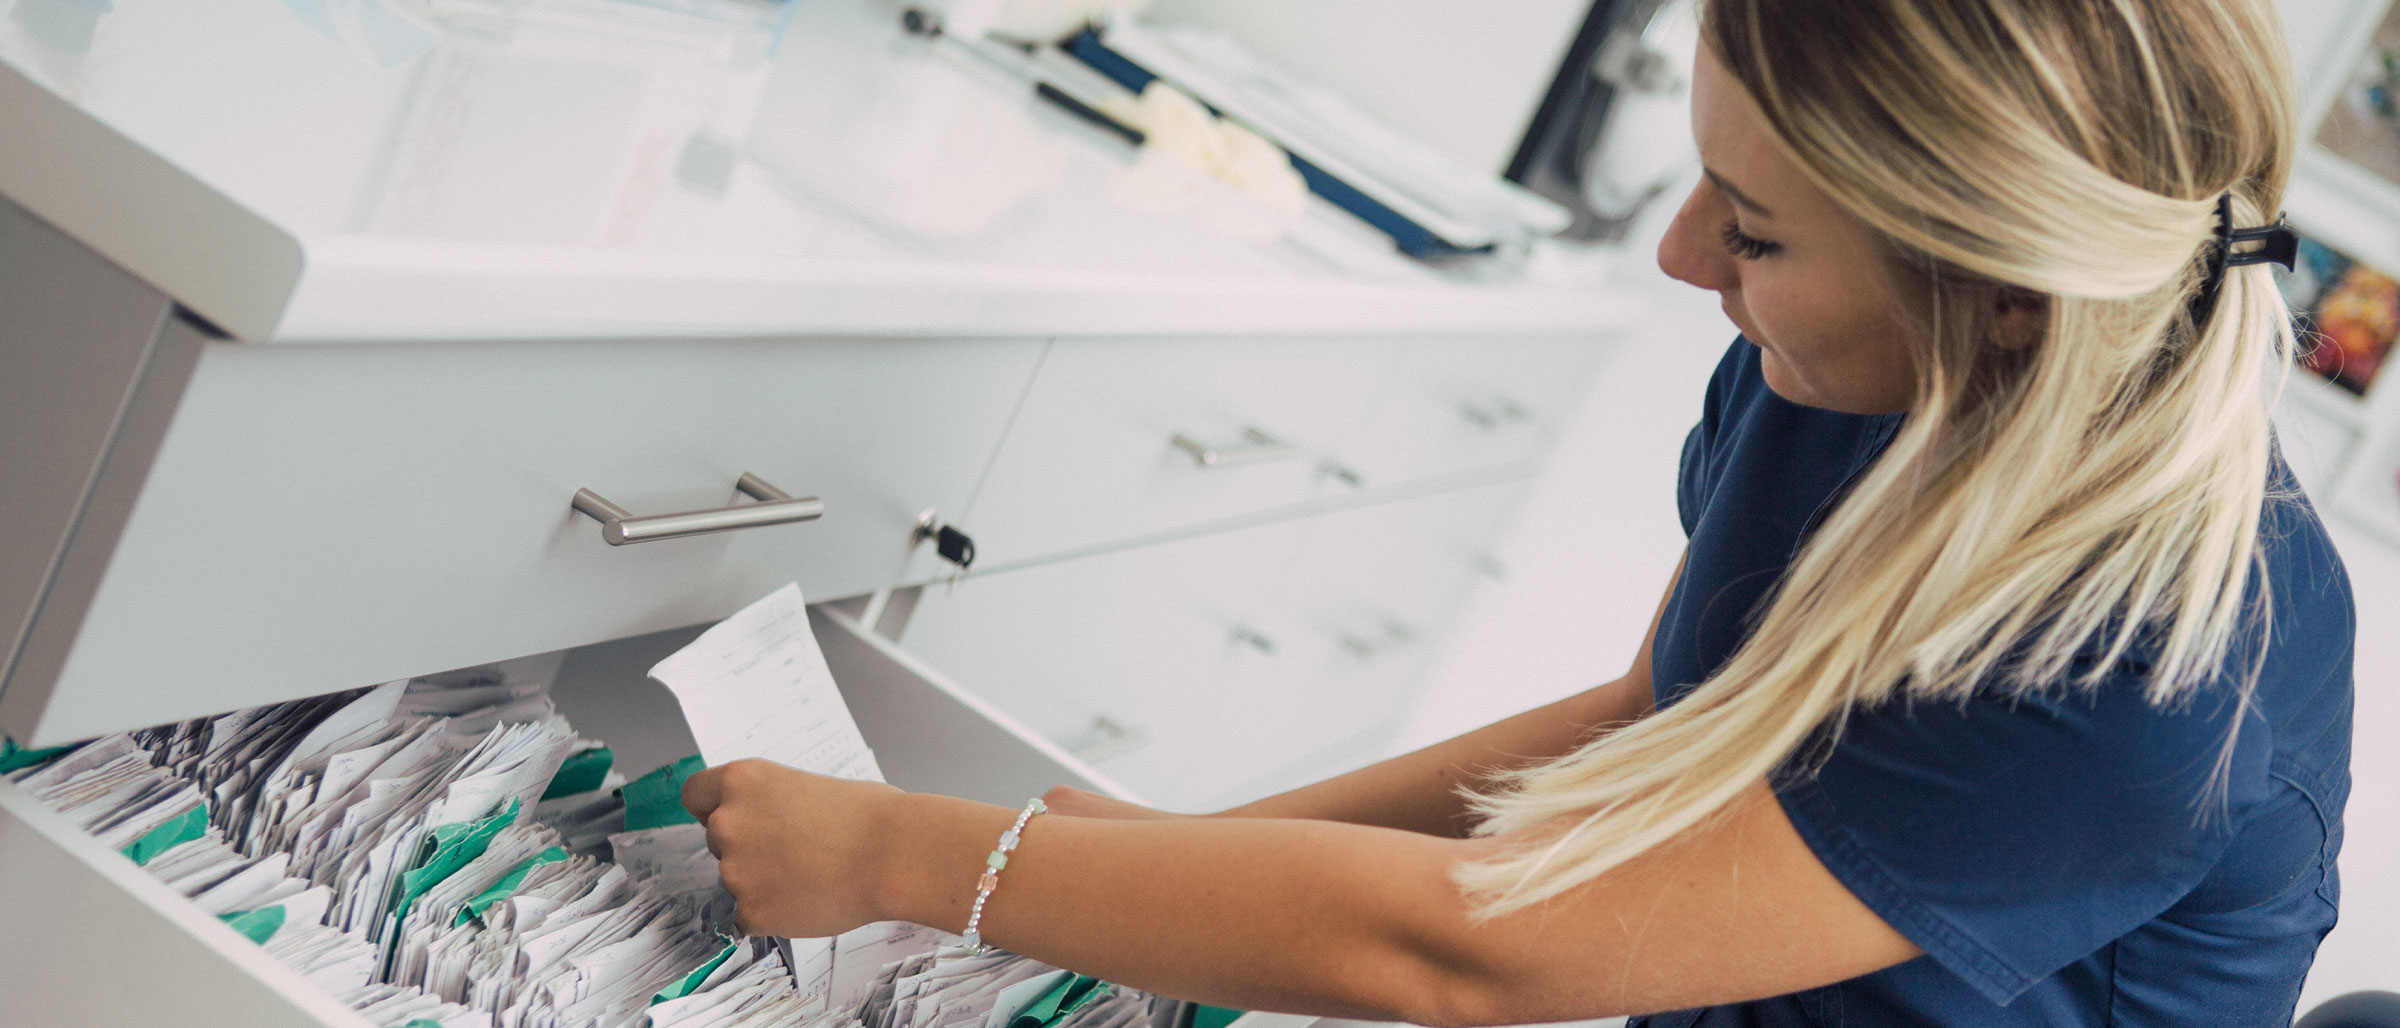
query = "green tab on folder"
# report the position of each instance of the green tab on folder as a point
(257, 925)
(14, 757)
(187, 826)
(507, 885)
(655, 800)
(583, 772)
(685, 985)
(446, 850)
(1060, 1000)
(1205, 1016)
(422, 1022)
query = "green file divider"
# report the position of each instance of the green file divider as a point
(507, 885)
(449, 848)
(14, 757)
(655, 800)
(256, 925)
(583, 772)
(1060, 1000)
(684, 986)
(187, 826)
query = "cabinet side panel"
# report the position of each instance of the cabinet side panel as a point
(93, 940)
(72, 341)
(55, 622)
(930, 735)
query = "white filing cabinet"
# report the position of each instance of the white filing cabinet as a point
(248, 523)
(251, 451)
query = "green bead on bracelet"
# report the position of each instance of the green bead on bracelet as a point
(973, 939)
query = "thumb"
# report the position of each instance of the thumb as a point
(703, 792)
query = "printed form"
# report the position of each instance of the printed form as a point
(757, 686)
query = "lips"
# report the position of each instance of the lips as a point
(1726, 305)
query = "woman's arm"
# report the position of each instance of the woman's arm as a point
(1420, 791)
(1311, 915)
(1303, 916)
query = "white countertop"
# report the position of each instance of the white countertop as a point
(331, 170)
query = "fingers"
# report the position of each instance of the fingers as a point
(703, 793)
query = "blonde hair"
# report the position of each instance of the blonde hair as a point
(2096, 491)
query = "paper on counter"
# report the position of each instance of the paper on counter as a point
(756, 685)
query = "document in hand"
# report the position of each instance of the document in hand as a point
(757, 686)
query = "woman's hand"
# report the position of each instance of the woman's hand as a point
(1074, 802)
(799, 852)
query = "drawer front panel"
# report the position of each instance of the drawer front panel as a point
(1122, 658)
(1458, 405)
(1221, 667)
(1094, 458)
(85, 918)
(325, 517)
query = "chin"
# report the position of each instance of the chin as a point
(1783, 382)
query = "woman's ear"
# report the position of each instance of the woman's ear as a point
(2020, 317)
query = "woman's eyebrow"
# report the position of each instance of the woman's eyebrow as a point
(1740, 198)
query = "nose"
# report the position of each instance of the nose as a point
(1690, 251)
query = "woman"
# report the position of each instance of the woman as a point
(2006, 679)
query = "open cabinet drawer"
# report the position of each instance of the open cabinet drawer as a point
(282, 521)
(95, 940)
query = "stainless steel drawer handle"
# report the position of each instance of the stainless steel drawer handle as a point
(775, 507)
(1492, 417)
(1257, 445)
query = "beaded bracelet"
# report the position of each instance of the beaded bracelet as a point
(973, 940)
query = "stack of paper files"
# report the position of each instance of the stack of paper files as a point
(449, 853)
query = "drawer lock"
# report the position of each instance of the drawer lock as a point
(774, 507)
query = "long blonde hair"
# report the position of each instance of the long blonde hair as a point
(2095, 491)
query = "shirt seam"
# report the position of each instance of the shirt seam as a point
(2285, 769)
(1940, 937)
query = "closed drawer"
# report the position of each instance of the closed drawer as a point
(1126, 658)
(1218, 668)
(1125, 438)
(98, 941)
(1454, 405)
(321, 517)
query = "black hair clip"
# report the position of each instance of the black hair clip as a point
(2281, 246)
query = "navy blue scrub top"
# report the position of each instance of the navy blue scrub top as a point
(2050, 854)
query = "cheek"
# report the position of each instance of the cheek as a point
(1827, 347)
(1785, 318)
(1812, 348)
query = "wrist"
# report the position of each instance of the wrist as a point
(930, 857)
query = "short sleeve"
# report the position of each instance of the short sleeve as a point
(2009, 837)
(1691, 493)
(1694, 474)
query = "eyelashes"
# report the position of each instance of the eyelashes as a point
(1744, 246)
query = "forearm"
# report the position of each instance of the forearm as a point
(1421, 791)
(1299, 916)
